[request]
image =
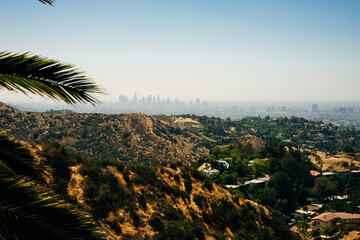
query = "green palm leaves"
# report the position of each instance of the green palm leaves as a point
(27, 214)
(25, 211)
(16, 159)
(48, 78)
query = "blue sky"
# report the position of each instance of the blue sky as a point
(216, 50)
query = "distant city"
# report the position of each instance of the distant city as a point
(155, 100)
(341, 114)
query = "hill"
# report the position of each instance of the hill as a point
(307, 134)
(168, 201)
(129, 137)
(338, 161)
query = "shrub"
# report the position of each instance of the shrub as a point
(173, 214)
(156, 222)
(181, 230)
(199, 200)
(119, 165)
(208, 184)
(144, 175)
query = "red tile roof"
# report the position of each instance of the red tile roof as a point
(314, 173)
(328, 216)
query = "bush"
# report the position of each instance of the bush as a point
(181, 230)
(156, 222)
(119, 165)
(144, 175)
(172, 214)
(188, 183)
(208, 184)
(200, 200)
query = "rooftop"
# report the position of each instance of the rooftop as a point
(328, 216)
(204, 166)
(314, 173)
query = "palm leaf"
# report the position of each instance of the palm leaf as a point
(28, 214)
(50, 2)
(16, 159)
(48, 78)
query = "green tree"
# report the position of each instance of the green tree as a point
(323, 187)
(259, 167)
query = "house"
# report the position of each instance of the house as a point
(343, 197)
(327, 174)
(204, 166)
(302, 214)
(313, 208)
(206, 169)
(209, 172)
(232, 186)
(329, 219)
(223, 165)
(258, 182)
(314, 173)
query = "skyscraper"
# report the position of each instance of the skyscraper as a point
(149, 99)
(135, 100)
(197, 101)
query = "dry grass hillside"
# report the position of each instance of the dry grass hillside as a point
(129, 137)
(334, 162)
(163, 202)
(256, 143)
(138, 202)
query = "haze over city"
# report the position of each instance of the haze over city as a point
(225, 51)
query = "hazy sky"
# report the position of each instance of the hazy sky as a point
(212, 49)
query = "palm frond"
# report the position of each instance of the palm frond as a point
(50, 2)
(15, 158)
(45, 77)
(28, 214)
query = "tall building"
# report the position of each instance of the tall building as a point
(149, 99)
(197, 101)
(154, 100)
(123, 99)
(158, 99)
(315, 108)
(135, 100)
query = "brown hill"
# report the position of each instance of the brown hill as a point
(341, 160)
(138, 202)
(169, 201)
(129, 137)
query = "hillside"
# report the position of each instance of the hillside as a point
(128, 137)
(169, 201)
(307, 134)
(335, 162)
